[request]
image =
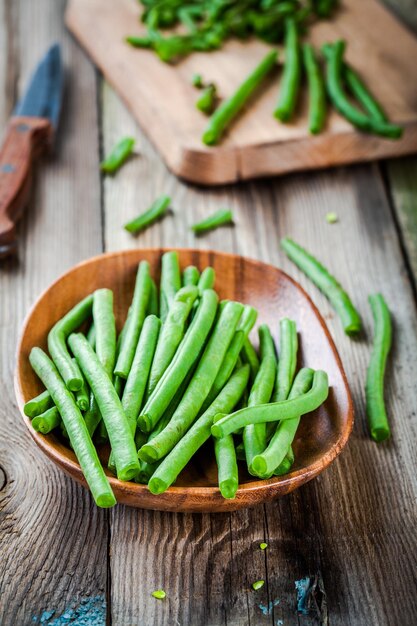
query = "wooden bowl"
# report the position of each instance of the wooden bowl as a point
(321, 435)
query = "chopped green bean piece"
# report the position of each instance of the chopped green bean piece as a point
(118, 155)
(157, 210)
(219, 218)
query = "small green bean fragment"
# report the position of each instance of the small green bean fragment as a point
(134, 320)
(228, 474)
(374, 387)
(258, 584)
(170, 282)
(91, 336)
(219, 218)
(38, 405)
(76, 428)
(284, 410)
(327, 283)
(57, 337)
(290, 82)
(167, 472)
(206, 102)
(119, 154)
(47, 421)
(155, 212)
(317, 91)
(229, 108)
(114, 417)
(197, 81)
(139, 42)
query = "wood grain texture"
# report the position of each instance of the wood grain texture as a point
(402, 181)
(163, 100)
(53, 538)
(352, 529)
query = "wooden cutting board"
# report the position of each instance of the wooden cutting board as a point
(163, 100)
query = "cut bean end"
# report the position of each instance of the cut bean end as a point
(106, 501)
(228, 489)
(148, 453)
(129, 472)
(380, 434)
(156, 486)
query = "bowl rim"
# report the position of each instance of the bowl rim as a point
(292, 479)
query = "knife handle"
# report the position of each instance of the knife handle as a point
(26, 138)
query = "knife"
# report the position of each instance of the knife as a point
(29, 133)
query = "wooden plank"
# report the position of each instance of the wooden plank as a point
(402, 179)
(162, 98)
(353, 527)
(53, 538)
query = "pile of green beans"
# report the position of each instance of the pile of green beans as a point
(210, 24)
(183, 372)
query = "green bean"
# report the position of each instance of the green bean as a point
(228, 475)
(114, 417)
(358, 89)
(206, 102)
(219, 218)
(134, 389)
(287, 364)
(76, 428)
(57, 336)
(199, 432)
(284, 410)
(81, 395)
(207, 279)
(197, 81)
(229, 109)
(183, 361)
(139, 42)
(362, 94)
(374, 388)
(153, 304)
(134, 321)
(246, 323)
(190, 276)
(249, 356)
(38, 405)
(290, 82)
(199, 387)
(91, 335)
(317, 91)
(105, 328)
(254, 435)
(170, 282)
(140, 438)
(334, 80)
(286, 464)
(138, 376)
(47, 421)
(327, 283)
(172, 333)
(119, 154)
(270, 459)
(156, 211)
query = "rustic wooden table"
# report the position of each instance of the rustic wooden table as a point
(350, 535)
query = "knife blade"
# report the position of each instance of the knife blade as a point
(29, 133)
